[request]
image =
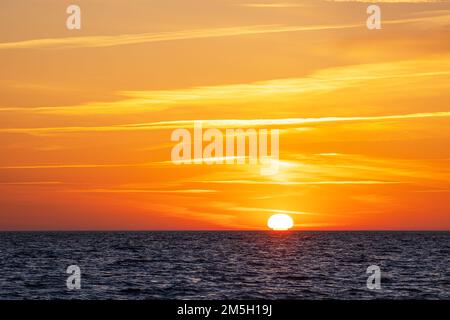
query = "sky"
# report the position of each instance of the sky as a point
(86, 115)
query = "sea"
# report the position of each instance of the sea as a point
(225, 265)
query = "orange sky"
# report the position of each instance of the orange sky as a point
(86, 115)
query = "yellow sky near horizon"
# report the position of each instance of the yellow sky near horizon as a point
(86, 115)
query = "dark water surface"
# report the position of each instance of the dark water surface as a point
(224, 265)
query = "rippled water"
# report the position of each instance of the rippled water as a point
(225, 265)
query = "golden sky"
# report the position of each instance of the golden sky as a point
(86, 115)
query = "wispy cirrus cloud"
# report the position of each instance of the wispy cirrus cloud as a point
(222, 123)
(141, 38)
(30, 183)
(129, 39)
(391, 1)
(250, 209)
(293, 4)
(273, 5)
(227, 123)
(77, 166)
(325, 80)
(113, 190)
(300, 183)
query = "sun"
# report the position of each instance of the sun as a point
(280, 222)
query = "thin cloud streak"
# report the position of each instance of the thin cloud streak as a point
(391, 1)
(77, 166)
(300, 183)
(272, 5)
(251, 209)
(227, 123)
(247, 209)
(223, 123)
(322, 81)
(30, 183)
(183, 191)
(130, 39)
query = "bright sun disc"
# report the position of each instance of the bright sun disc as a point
(280, 222)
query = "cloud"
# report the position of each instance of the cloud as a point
(272, 5)
(275, 91)
(129, 39)
(391, 1)
(112, 190)
(31, 183)
(141, 38)
(252, 209)
(76, 166)
(300, 183)
(434, 191)
(227, 123)
(222, 123)
(247, 209)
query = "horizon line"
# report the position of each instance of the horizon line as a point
(230, 230)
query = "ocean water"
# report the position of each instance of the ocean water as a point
(225, 265)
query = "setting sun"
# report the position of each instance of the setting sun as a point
(280, 222)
